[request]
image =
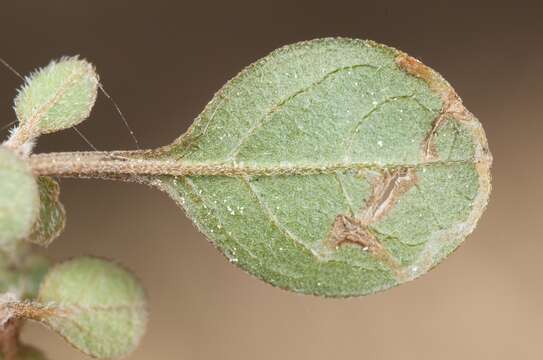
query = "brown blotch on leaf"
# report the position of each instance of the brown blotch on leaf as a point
(452, 104)
(388, 188)
(349, 230)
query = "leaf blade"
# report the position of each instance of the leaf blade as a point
(334, 104)
(56, 97)
(97, 306)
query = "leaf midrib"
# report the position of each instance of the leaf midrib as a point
(133, 163)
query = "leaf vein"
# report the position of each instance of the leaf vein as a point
(348, 200)
(275, 108)
(350, 140)
(274, 220)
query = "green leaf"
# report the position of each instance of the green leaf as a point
(27, 353)
(52, 217)
(94, 304)
(335, 167)
(19, 199)
(56, 97)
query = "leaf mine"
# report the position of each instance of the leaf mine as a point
(388, 187)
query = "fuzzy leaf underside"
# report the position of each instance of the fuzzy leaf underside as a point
(52, 216)
(354, 168)
(56, 97)
(95, 305)
(19, 199)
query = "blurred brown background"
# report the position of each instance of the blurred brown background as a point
(162, 61)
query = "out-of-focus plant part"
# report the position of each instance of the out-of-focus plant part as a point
(23, 278)
(97, 306)
(19, 199)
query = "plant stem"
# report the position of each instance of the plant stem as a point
(95, 164)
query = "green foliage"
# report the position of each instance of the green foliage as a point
(52, 217)
(348, 167)
(56, 97)
(19, 199)
(94, 304)
(333, 167)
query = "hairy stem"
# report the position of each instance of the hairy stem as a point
(95, 164)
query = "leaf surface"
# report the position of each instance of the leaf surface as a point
(343, 167)
(96, 305)
(56, 97)
(52, 216)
